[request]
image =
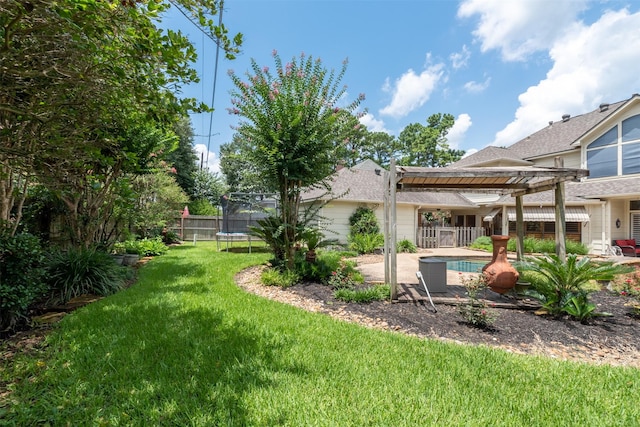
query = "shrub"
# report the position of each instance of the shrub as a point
(275, 277)
(83, 271)
(143, 247)
(365, 243)
(170, 236)
(319, 271)
(547, 246)
(21, 272)
(406, 245)
(628, 285)
(562, 285)
(364, 221)
(482, 243)
(151, 247)
(364, 295)
(475, 311)
(345, 276)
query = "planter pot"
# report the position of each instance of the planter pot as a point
(118, 258)
(500, 275)
(130, 259)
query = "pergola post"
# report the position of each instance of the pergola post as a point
(393, 230)
(519, 229)
(561, 225)
(385, 229)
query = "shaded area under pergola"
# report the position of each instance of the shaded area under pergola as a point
(516, 181)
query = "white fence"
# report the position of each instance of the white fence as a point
(447, 237)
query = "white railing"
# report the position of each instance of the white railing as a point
(447, 237)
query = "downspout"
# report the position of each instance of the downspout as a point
(416, 215)
(603, 226)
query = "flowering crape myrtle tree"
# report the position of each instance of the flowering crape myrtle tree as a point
(293, 129)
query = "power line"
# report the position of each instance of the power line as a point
(195, 21)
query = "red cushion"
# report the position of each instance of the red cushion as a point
(626, 242)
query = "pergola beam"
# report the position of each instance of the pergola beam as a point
(514, 181)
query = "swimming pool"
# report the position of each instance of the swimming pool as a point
(467, 265)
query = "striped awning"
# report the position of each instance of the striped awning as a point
(543, 214)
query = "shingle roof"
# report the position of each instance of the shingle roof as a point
(366, 186)
(488, 155)
(558, 136)
(555, 138)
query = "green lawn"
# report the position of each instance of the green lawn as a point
(185, 346)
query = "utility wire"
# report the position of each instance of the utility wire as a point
(194, 20)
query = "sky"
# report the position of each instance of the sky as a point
(502, 68)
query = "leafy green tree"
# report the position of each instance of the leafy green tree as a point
(290, 123)
(208, 186)
(78, 77)
(380, 147)
(159, 201)
(427, 146)
(184, 158)
(239, 171)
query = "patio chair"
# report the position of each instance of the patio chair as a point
(628, 247)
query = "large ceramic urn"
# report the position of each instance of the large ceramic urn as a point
(500, 275)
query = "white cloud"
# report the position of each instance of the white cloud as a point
(592, 64)
(460, 59)
(412, 90)
(475, 87)
(373, 124)
(212, 162)
(519, 28)
(458, 130)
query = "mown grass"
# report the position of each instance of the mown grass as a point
(186, 346)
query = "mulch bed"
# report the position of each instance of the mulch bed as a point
(613, 340)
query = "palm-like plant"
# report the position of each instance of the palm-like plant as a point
(563, 288)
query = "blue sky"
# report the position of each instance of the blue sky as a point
(502, 68)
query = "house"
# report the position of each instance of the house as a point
(599, 208)
(362, 186)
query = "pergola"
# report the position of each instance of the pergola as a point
(516, 181)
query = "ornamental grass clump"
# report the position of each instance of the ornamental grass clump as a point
(475, 311)
(75, 272)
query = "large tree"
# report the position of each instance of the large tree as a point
(292, 124)
(80, 79)
(184, 158)
(427, 146)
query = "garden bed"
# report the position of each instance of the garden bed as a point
(613, 339)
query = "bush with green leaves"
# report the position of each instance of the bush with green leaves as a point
(319, 271)
(79, 271)
(475, 311)
(276, 277)
(364, 221)
(482, 243)
(144, 247)
(365, 243)
(364, 295)
(532, 245)
(21, 272)
(562, 285)
(406, 245)
(345, 276)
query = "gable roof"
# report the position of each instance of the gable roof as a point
(490, 155)
(366, 186)
(555, 138)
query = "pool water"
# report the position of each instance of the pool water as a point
(467, 265)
